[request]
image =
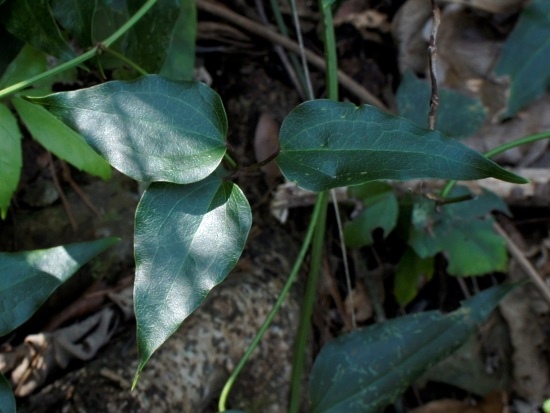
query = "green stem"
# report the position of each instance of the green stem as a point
(497, 151)
(300, 348)
(83, 57)
(124, 59)
(330, 51)
(317, 210)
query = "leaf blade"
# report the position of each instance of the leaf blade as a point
(11, 159)
(363, 371)
(525, 55)
(151, 129)
(28, 278)
(187, 239)
(327, 144)
(61, 140)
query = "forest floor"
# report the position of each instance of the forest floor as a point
(506, 365)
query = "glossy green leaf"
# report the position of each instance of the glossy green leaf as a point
(363, 371)
(180, 58)
(148, 41)
(463, 231)
(27, 279)
(408, 274)
(525, 56)
(187, 239)
(152, 129)
(58, 138)
(326, 144)
(7, 399)
(380, 210)
(32, 21)
(11, 159)
(29, 62)
(76, 17)
(458, 115)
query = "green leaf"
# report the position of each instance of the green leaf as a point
(326, 144)
(33, 22)
(7, 399)
(363, 371)
(58, 138)
(381, 210)
(458, 115)
(525, 56)
(29, 62)
(463, 231)
(151, 129)
(410, 269)
(187, 239)
(180, 58)
(148, 41)
(76, 17)
(11, 46)
(11, 159)
(27, 279)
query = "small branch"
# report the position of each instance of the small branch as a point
(432, 51)
(516, 252)
(268, 33)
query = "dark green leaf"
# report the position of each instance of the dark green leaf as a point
(58, 138)
(152, 129)
(363, 371)
(525, 56)
(27, 279)
(148, 41)
(187, 239)
(29, 62)
(76, 17)
(409, 271)
(11, 46)
(108, 16)
(326, 144)
(381, 210)
(32, 21)
(7, 400)
(458, 115)
(463, 231)
(10, 158)
(180, 58)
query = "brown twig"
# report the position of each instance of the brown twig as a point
(432, 51)
(281, 53)
(59, 190)
(66, 172)
(268, 33)
(516, 252)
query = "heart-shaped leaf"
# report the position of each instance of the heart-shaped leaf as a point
(363, 371)
(58, 138)
(7, 400)
(10, 157)
(27, 279)
(152, 129)
(326, 144)
(187, 239)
